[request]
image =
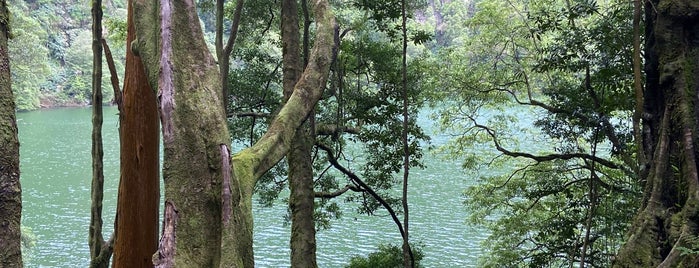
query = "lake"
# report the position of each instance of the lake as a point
(56, 178)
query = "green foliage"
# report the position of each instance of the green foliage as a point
(57, 69)
(692, 242)
(569, 64)
(29, 67)
(28, 242)
(116, 30)
(362, 95)
(387, 256)
(370, 100)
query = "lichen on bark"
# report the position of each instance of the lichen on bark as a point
(193, 167)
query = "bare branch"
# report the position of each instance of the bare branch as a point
(114, 77)
(337, 193)
(367, 188)
(543, 158)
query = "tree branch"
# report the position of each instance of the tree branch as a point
(367, 188)
(542, 158)
(114, 77)
(328, 195)
(251, 163)
(334, 130)
(249, 114)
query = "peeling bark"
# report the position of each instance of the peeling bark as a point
(136, 226)
(226, 189)
(177, 61)
(165, 257)
(165, 79)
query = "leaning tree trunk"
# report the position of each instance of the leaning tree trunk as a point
(301, 196)
(208, 214)
(136, 227)
(10, 190)
(669, 218)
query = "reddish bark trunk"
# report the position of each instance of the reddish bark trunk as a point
(139, 189)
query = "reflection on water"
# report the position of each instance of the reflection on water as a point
(56, 178)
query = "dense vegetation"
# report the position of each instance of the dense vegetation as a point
(555, 73)
(498, 75)
(49, 52)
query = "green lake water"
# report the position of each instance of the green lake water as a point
(56, 178)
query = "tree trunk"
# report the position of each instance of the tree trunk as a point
(223, 53)
(136, 224)
(408, 261)
(668, 218)
(100, 250)
(209, 192)
(10, 189)
(301, 196)
(178, 64)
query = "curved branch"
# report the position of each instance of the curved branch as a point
(543, 158)
(253, 162)
(367, 188)
(328, 195)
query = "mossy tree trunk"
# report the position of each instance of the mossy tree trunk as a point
(669, 217)
(301, 196)
(10, 189)
(136, 227)
(208, 192)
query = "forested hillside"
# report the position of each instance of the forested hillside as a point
(50, 51)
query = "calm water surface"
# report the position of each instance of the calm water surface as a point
(56, 178)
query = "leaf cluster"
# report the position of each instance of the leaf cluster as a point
(387, 256)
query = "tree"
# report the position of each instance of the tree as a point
(30, 67)
(299, 159)
(563, 67)
(136, 226)
(663, 231)
(10, 188)
(337, 121)
(208, 211)
(387, 256)
(223, 52)
(100, 250)
(408, 259)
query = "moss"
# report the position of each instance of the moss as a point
(639, 250)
